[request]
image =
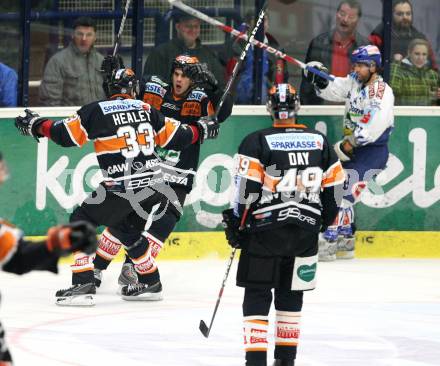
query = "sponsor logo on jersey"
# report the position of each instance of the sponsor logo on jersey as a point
(143, 182)
(112, 106)
(295, 213)
(155, 89)
(196, 95)
(170, 106)
(295, 141)
(117, 168)
(171, 178)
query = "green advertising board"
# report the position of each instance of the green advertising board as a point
(47, 181)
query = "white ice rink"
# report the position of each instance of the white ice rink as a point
(363, 313)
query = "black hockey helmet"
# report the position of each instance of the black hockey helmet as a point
(122, 83)
(185, 63)
(282, 101)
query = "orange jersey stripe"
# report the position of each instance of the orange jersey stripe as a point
(334, 175)
(154, 100)
(211, 109)
(250, 168)
(167, 132)
(8, 242)
(113, 144)
(76, 131)
(270, 182)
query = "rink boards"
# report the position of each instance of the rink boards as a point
(398, 217)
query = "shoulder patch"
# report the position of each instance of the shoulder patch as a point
(197, 95)
(155, 88)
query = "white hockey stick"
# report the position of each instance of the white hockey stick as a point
(194, 12)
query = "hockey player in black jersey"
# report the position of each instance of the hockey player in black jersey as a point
(191, 95)
(125, 132)
(19, 256)
(288, 187)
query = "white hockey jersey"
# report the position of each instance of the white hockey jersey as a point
(368, 109)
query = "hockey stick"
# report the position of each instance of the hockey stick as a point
(203, 327)
(240, 60)
(121, 27)
(241, 35)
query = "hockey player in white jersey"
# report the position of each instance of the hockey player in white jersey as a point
(368, 123)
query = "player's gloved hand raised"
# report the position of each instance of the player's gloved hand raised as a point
(314, 78)
(208, 128)
(65, 239)
(202, 76)
(111, 63)
(231, 225)
(28, 125)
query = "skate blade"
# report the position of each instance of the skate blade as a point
(80, 300)
(327, 258)
(156, 296)
(345, 254)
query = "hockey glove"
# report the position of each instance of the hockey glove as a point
(208, 128)
(28, 125)
(65, 239)
(317, 80)
(344, 150)
(202, 76)
(109, 65)
(231, 225)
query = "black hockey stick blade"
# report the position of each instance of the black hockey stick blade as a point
(204, 329)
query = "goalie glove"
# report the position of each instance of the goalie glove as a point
(76, 236)
(231, 225)
(208, 128)
(28, 125)
(315, 79)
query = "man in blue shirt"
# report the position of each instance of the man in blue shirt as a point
(8, 86)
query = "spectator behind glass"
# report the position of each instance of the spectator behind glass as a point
(8, 86)
(334, 48)
(402, 32)
(187, 42)
(413, 81)
(274, 70)
(72, 76)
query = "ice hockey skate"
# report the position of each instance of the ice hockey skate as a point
(142, 292)
(77, 295)
(284, 363)
(128, 276)
(345, 246)
(97, 274)
(328, 244)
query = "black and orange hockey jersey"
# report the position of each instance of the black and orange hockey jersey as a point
(9, 239)
(125, 133)
(291, 172)
(180, 167)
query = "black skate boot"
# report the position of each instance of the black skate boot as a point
(142, 292)
(128, 276)
(284, 363)
(77, 295)
(97, 274)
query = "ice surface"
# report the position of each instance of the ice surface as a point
(363, 313)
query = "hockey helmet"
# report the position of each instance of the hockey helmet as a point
(282, 102)
(366, 55)
(123, 82)
(185, 63)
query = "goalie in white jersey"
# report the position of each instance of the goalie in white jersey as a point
(368, 123)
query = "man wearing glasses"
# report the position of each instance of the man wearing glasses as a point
(334, 48)
(72, 76)
(186, 42)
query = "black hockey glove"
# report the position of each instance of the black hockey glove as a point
(316, 79)
(65, 239)
(109, 65)
(28, 124)
(202, 76)
(231, 225)
(208, 128)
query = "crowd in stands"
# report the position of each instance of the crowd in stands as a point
(72, 76)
